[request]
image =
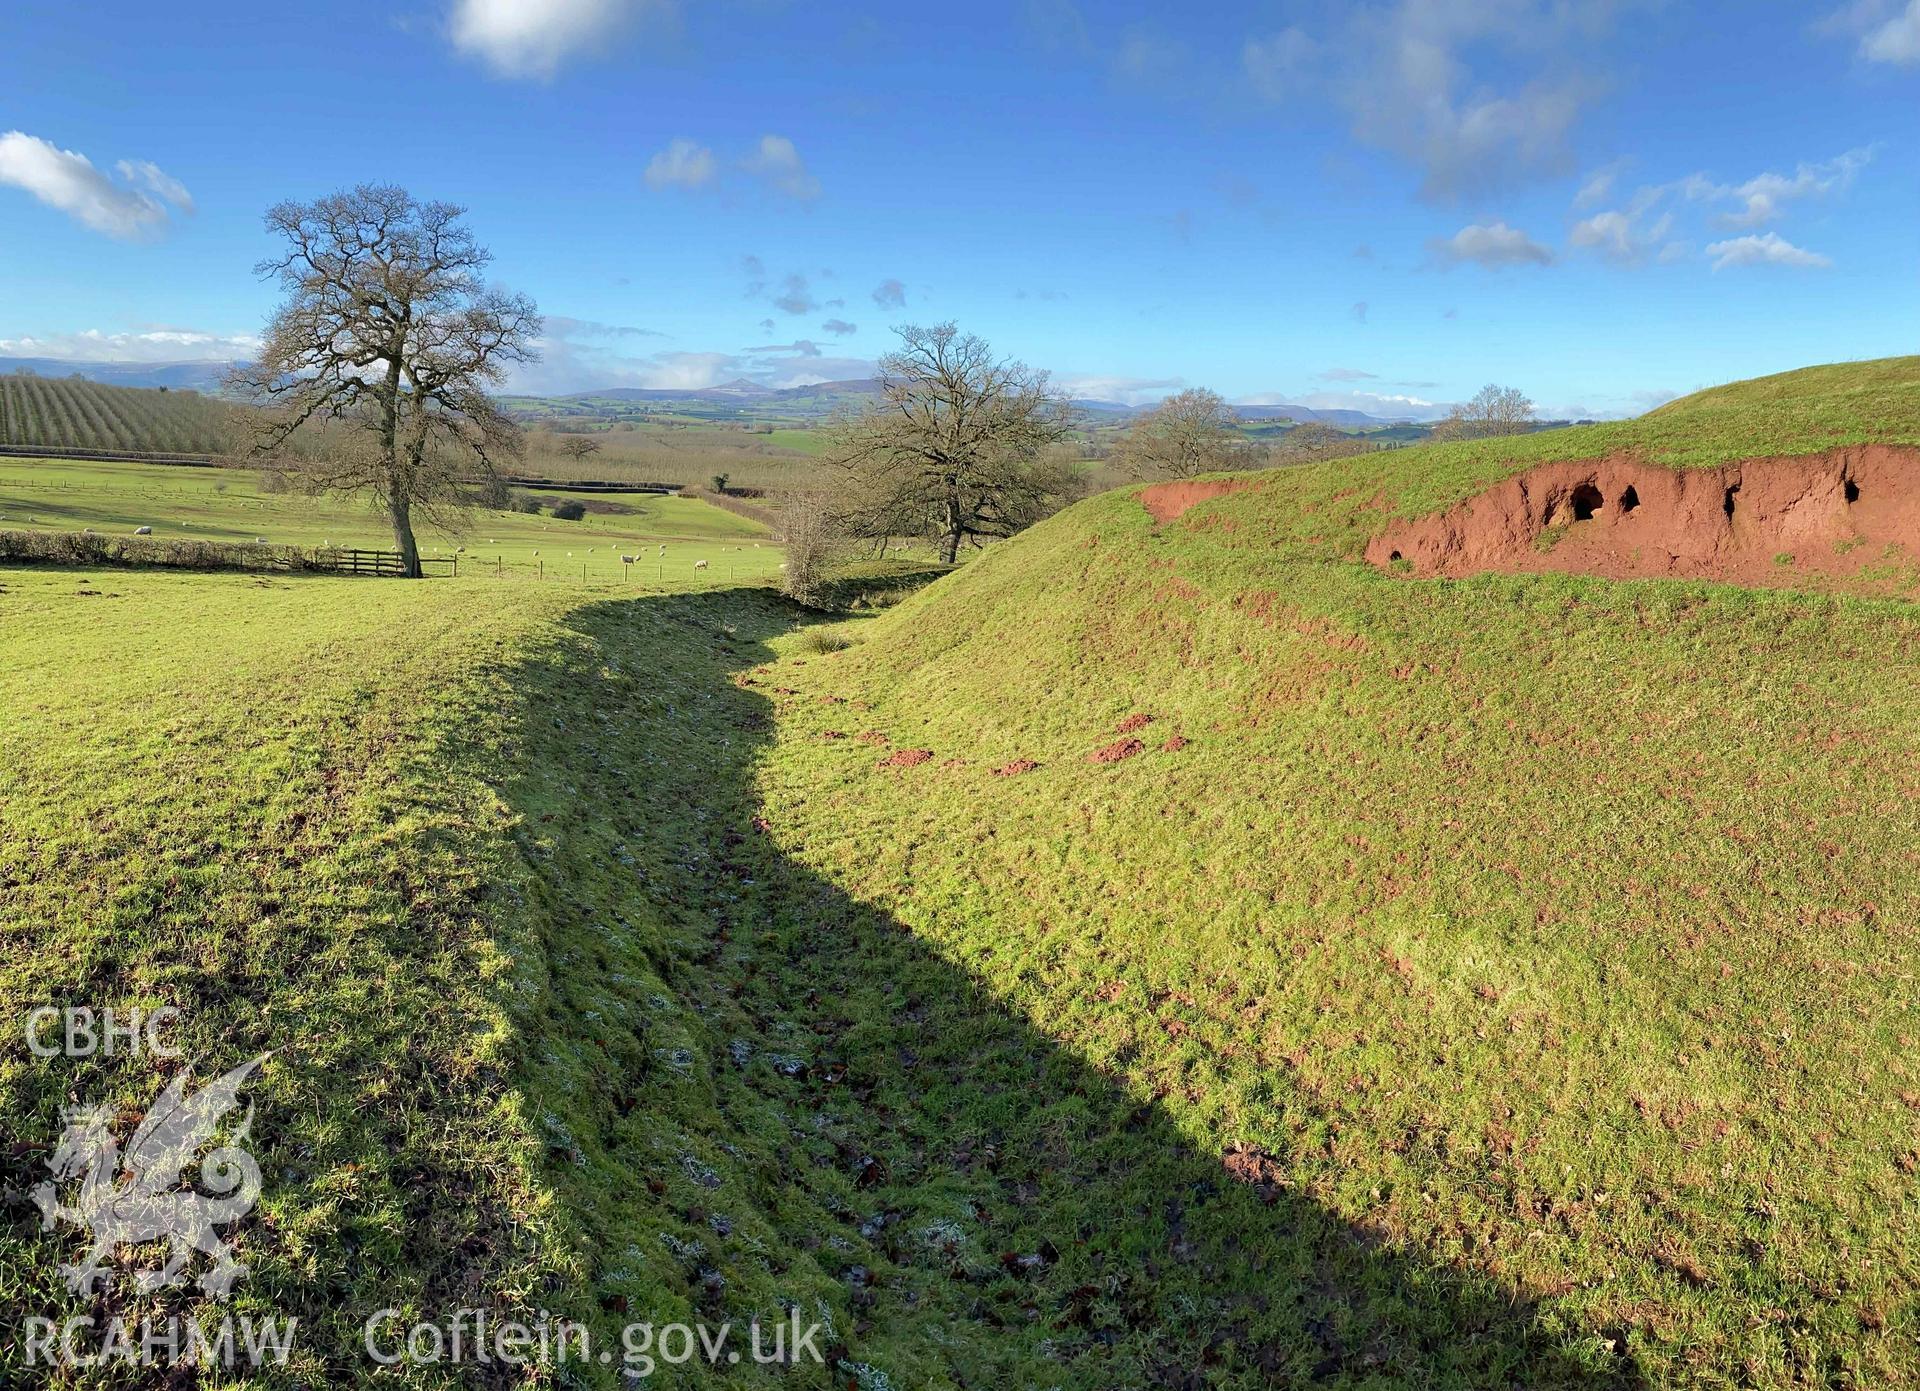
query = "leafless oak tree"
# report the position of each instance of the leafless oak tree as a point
(958, 448)
(1192, 433)
(579, 447)
(1495, 410)
(389, 333)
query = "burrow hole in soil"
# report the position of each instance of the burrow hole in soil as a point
(1727, 504)
(1853, 491)
(1586, 501)
(1629, 499)
(1395, 556)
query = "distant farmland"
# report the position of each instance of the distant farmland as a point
(71, 413)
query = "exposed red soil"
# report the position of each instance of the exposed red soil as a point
(1015, 768)
(1165, 501)
(874, 737)
(1623, 518)
(907, 758)
(1113, 753)
(1175, 744)
(1133, 722)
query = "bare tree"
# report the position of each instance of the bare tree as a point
(390, 331)
(959, 446)
(1495, 410)
(1192, 433)
(579, 447)
(811, 535)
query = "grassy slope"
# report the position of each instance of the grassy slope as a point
(1550, 932)
(1800, 412)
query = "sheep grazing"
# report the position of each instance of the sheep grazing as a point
(628, 559)
(699, 564)
(143, 531)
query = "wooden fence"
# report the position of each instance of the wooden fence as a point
(352, 561)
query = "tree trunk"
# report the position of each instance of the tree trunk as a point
(955, 529)
(401, 512)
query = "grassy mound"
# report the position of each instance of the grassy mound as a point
(1547, 938)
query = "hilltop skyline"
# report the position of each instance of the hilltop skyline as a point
(1605, 203)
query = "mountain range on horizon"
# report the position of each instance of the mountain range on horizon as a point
(815, 398)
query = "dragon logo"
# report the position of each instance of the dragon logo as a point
(143, 1197)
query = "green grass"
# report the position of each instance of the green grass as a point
(1510, 981)
(228, 505)
(1551, 934)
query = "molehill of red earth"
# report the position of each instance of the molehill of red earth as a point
(1623, 518)
(906, 758)
(1113, 753)
(1133, 722)
(1015, 768)
(1175, 744)
(1165, 501)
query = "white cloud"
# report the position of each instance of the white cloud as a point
(1887, 31)
(1418, 82)
(1278, 63)
(1347, 374)
(1612, 235)
(1381, 405)
(68, 180)
(1597, 185)
(1767, 249)
(156, 181)
(839, 328)
(145, 345)
(890, 294)
(1492, 245)
(1126, 391)
(683, 164)
(534, 38)
(795, 297)
(1764, 195)
(778, 162)
(1897, 41)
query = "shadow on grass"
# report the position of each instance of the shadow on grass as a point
(763, 1092)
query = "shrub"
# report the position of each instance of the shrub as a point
(572, 510)
(83, 548)
(825, 640)
(526, 502)
(813, 541)
(720, 483)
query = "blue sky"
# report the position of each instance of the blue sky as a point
(1603, 202)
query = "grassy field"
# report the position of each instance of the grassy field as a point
(228, 505)
(1176, 957)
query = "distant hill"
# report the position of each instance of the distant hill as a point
(175, 376)
(71, 413)
(743, 401)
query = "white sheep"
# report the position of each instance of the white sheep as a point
(143, 531)
(699, 564)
